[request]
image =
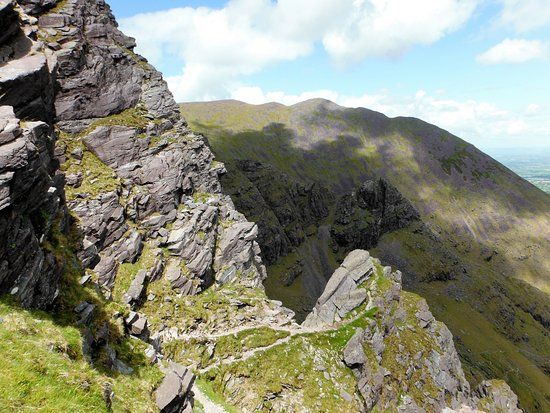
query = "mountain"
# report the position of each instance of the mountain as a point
(129, 281)
(469, 235)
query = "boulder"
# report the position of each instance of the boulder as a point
(354, 355)
(135, 292)
(137, 324)
(343, 292)
(174, 393)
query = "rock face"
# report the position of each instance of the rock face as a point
(172, 396)
(373, 209)
(78, 106)
(31, 207)
(403, 352)
(137, 161)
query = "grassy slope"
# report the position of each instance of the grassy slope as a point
(43, 368)
(475, 204)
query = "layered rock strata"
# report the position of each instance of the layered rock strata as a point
(404, 360)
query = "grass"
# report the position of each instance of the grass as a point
(43, 368)
(209, 392)
(127, 271)
(298, 368)
(97, 177)
(195, 351)
(468, 200)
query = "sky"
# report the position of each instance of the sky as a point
(478, 68)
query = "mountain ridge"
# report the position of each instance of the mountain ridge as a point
(466, 200)
(131, 282)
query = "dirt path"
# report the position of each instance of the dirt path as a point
(248, 353)
(209, 405)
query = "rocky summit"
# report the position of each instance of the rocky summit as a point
(129, 280)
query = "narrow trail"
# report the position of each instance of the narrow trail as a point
(209, 405)
(292, 329)
(247, 354)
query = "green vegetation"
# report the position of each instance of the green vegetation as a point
(296, 367)
(457, 160)
(132, 118)
(97, 177)
(196, 351)
(44, 368)
(470, 206)
(127, 271)
(211, 306)
(209, 392)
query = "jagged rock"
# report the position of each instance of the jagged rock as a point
(116, 145)
(136, 290)
(194, 241)
(29, 206)
(173, 394)
(101, 219)
(86, 312)
(35, 7)
(26, 84)
(8, 21)
(354, 354)
(374, 208)
(137, 324)
(495, 396)
(180, 281)
(424, 315)
(343, 293)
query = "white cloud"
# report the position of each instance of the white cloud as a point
(478, 122)
(219, 45)
(390, 27)
(515, 51)
(525, 15)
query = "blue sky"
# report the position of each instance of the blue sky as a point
(479, 68)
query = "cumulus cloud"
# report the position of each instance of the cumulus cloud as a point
(477, 121)
(390, 27)
(515, 51)
(217, 46)
(525, 15)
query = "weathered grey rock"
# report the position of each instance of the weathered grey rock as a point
(343, 292)
(173, 394)
(86, 312)
(137, 324)
(117, 145)
(8, 21)
(497, 397)
(354, 355)
(178, 280)
(74, 180)
(30, 205)
(424, 315)
(26, 85)
(135, 292)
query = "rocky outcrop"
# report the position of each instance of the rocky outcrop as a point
(343, 293)
(76, 101)
(172, 396)
(403, 359)
(375, 208)
(31, 208)
(282, 207)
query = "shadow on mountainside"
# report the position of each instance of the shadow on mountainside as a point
(500, 323)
